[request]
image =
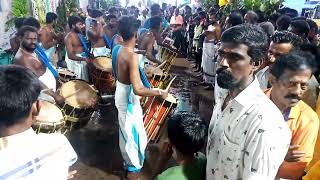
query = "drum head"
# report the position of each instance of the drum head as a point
(49, 113)
(66, 72)
(79, 94)
(149, 70)
(171, 99)
(103, 63)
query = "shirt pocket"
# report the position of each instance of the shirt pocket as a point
(230, 156)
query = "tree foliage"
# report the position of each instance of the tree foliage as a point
(19, 8)
(106, 4)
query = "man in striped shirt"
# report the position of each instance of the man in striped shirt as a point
(23, 153)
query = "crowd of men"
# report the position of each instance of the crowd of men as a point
(264, 72)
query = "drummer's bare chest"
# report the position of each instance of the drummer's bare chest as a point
(38, 66)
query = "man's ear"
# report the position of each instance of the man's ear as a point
(36, 106)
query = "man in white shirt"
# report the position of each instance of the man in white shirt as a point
(248, 137)
(23, 153)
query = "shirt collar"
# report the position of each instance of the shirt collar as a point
(250, 94)
(17, 138)
(294, 112)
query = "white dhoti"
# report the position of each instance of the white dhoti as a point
(101, 51)
(132, 134)
(208, 63)
(50, 82)
(78, 67)
(142, 60)
(51, 54)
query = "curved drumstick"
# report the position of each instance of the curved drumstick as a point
(158, 67)
(77, 91)
(47, 89)
(170, 83)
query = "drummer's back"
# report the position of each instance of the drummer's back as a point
(124, 61)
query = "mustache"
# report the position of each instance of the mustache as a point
(292, 96)
(225, 78)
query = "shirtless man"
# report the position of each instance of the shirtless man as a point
(27, 57)
(48, 38)
(147, 39)
(111, 31)
(96, 33)
(77, 52)
(212, 37)
(127, 97)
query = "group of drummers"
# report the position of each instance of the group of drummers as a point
(112, 56)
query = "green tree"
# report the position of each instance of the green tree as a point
(106, 4)
(20, 8)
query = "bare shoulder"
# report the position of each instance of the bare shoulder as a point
(69, 36)
(129, 56)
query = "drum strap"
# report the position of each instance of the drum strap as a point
(44, 58)
(108, 41)
(143, 76)
(84, 45)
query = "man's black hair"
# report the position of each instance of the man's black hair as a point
(112, 10)
(19, 89)
(24, 29)
(299, 18)
(96, 13)
(253, 16)
(31, 21)
(235, 19)
(127, 27)
(155, 22)
(283, 22)
(50, 17)
(110, 16)
(155, 9)
(18, 23)
(286, 37)
(73, 20)
(301, 26)
(312, 25)
(187, 132)
(250, 35)
(202, 14)
(261, 16)
(296, 60)
(273, 17)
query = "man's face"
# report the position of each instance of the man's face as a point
(247, 18)
(176, 12)
(29, 41)
(312, 33)
(290, 87)
(296, 31)
(113, 23)
(235, 65)
(212, 18)
(78, 28)
(116, 13)
(277, 49)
